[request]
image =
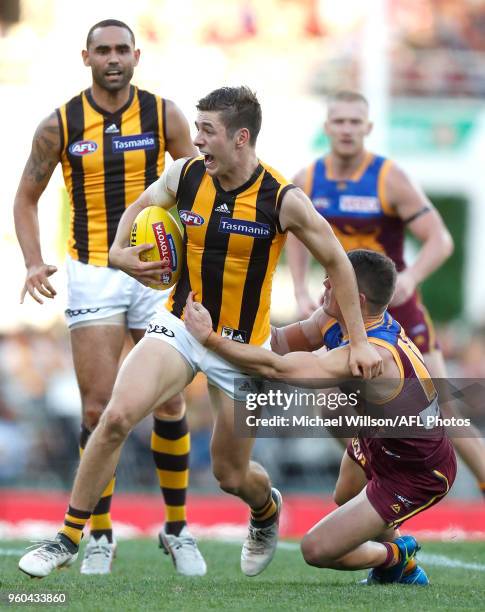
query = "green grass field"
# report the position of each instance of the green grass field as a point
(144, 579)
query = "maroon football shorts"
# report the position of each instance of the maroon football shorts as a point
(417, 324)
(399, 490)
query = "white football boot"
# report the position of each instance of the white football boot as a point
(98, 556)
(185, 555)
(260, 544)
(48, 556)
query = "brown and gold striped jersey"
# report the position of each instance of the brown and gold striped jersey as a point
(108, 160)
(233, 241)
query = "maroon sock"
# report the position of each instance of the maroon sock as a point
(392, 556)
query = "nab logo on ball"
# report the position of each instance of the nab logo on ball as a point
(166, 248)
(190, 218)
(83, 147)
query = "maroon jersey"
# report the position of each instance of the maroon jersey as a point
(362, 218)
(406, 474)
(415, 398)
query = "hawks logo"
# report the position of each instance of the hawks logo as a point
(396, 508)
(133, 234)
(83, 147)
(238, 335)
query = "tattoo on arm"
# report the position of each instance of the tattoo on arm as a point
(45, 152)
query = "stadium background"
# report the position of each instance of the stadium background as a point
(421, 64)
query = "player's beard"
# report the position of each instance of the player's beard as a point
(126, 75)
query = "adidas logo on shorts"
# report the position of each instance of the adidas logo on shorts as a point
(223, 208)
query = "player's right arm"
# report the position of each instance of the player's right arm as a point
(43, 158)
(257, 360)
(301, 336)
(160, 193)
(299, 263)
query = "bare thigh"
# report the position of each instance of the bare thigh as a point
(347, 527)
(153, 372)
(96, 351)
(227, 450)
(174, 407)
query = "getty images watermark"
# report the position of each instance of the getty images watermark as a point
(410, 408)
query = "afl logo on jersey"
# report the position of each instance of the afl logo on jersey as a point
(190, 218)
(321, 203)
(83, 147)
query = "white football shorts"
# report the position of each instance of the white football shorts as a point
(95, 293)
(220, 373)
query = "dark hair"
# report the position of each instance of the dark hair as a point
(376, 276)
(239, 108)
(105, 24)
(346, 95)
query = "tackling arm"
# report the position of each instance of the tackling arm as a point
(257, 360)
(301, 336)
(296, 366)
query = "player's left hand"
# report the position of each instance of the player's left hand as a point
(405, 287)
(365, 361)
(197, 319)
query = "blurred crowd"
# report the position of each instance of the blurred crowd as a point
(438, 48)
(40, 410)
(435, 47)
(40, 418)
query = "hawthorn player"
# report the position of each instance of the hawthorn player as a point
(111, 141)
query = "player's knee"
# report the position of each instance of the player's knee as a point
(93, 407)
(115, 425)
(91, 416)
(314, 551)
(174, 408)
(309, 550)
(339, 497)
(229, 479)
